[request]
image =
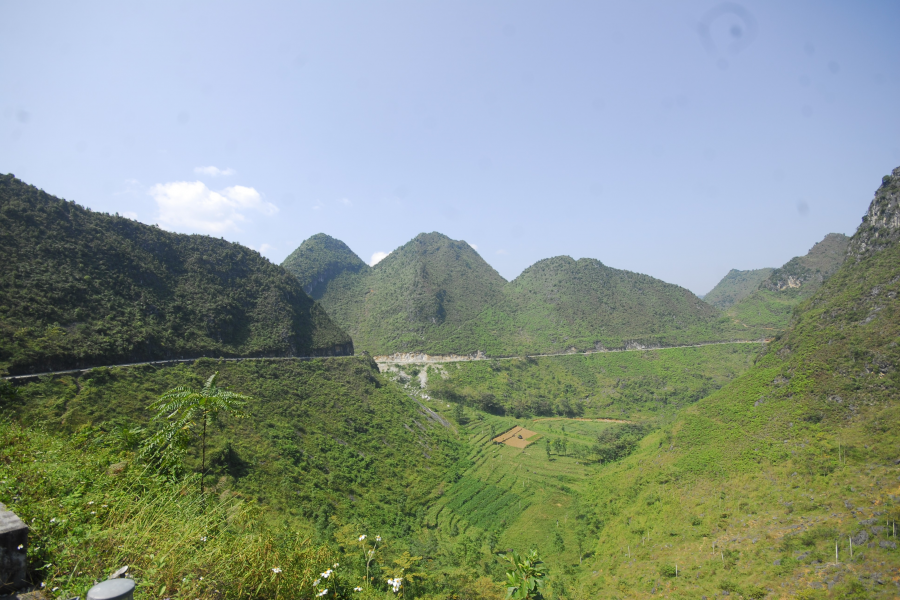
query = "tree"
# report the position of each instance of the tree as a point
(525, 581)
(186, 409)
(547, 448)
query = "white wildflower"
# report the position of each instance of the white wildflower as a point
(54, 589)
(335, 565)
(357, 589)
(275, 570)
(323, 592)
(326, 574)
(53, 520)
(395, 583)
(316, 582)
(362, 537)
(203, 539)
(91, 502)
(43, 584)
(377, 538)
(93, 512)
(19, 547)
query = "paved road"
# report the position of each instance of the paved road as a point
(425, 358)
(380, 360)
(164, 362)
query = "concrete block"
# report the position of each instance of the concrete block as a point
(13, 550)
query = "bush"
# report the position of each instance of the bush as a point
(667, 570)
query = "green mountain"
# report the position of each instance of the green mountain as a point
(736, 286)
(438, 296)
(770, 306)
(416, 299)
(319, 260)
(757, 487)
(79, 288)
(561, 304)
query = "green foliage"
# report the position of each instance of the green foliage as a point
(184, 410)
(736, 286)
(79, 288)
(769, 307)
(608, 384)
(327, 441)
(525, 580)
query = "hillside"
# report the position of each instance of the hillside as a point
(325, 437)
(753, 489)
(559, 304)
(438, 296)
(79, 288)
(416, 299)
(771, 305)
(736, 286)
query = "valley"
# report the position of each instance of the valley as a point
(668, 446)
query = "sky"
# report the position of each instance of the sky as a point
(676, 139)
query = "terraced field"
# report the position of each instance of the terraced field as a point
(516, 496)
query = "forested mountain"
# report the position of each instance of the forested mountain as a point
(798, 454)
(437, 295)
(736, 286)
(416, 299)
(79, 288)
(559, 304)
(321, 259)
(771, 304)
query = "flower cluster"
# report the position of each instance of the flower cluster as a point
(395, 583)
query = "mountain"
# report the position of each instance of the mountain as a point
(560, 303)
(736, 286)
(438, 296)
(758, 486)
(416, 299)
(319, 260)
(79, 288)
(770, 306)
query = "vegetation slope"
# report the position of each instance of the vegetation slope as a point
(79, 288)
(769, 307)
(736, 286)
(438, 296)
(327, 443)
(762, 488)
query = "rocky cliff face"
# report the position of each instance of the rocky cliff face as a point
(818, 264)
(881, 225)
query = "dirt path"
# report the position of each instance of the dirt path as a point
(581, 419)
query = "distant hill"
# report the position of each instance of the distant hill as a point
(771, 305)
(736, 286)
(414, 300)
(437, 295)
(79, 288)
(559, 303)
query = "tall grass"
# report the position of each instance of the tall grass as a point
(91, 512)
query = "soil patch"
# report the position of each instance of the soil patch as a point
(517, 437)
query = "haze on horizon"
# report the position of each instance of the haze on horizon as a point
(675, 140)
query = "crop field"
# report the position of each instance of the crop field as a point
(519, 495)
(517, 437)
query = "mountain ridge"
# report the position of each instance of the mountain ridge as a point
(81, 288)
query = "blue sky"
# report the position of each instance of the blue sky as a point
(675, 139)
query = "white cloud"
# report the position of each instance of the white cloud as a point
(191, 206)
(377, 258)
(214, 171)
(345, 202)
(474, 246)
